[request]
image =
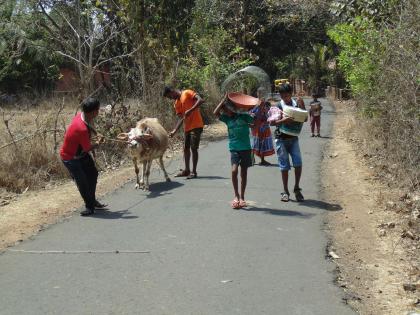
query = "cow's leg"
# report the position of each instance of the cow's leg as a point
(143, 172)
(146, 184)
(162, 166)
(136, 169)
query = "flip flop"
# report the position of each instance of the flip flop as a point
(298, 195)
(235, 204)
(192, 175)
(183, 173)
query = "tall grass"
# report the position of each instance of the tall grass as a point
(34, 162)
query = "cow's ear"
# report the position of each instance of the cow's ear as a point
(123, 136)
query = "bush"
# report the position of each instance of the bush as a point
(380, 62)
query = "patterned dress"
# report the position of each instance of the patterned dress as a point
(262, 143)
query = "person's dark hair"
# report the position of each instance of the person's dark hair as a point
(285, 88)
(90, 105)
(167, 90)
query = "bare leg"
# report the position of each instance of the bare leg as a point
(244, 177)
(162, 166)
(285, 179)
(235, 180)
(187, 155)
(298, 174)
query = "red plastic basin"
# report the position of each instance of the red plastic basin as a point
(243, 101)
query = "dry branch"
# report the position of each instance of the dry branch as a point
(28, 137)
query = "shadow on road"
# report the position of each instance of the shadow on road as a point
(286, 213)
(162, 188)
(322, 205)
(211, 177)
(121, 214)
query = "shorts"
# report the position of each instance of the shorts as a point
(192, 138)
(242, 158)
(286, 147)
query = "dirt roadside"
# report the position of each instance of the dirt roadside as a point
(29, 213)
(375, 261)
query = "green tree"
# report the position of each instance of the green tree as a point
(25, 63)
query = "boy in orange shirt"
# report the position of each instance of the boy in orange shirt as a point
(187, 103)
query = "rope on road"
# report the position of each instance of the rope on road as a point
(79, 251)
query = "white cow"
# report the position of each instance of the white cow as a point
(147, 141)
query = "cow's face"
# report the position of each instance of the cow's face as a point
(136, 138)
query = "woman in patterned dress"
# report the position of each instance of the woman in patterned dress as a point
(262, 144)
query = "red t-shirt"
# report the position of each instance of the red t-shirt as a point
(76, 139)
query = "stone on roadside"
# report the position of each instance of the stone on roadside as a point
(411, 287)
(333, 255)
(408, 234)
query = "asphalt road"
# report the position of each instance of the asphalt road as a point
(205, 258)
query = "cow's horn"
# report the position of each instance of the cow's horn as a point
(123, 136)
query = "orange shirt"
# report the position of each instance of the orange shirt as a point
(184, 103)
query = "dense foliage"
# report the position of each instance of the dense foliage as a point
(379, 53)
(149, 43)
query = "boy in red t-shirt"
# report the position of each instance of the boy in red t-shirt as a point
(75, 154)
(187, 103)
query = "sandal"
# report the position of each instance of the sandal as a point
(298, 194)
(183, 173)
(192, 175)
(284, 196)
(99, 205)
(87, 212)
(242, 203)
(235, 204)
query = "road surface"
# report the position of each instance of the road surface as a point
(203, 257)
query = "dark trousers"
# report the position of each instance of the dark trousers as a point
(84, 173)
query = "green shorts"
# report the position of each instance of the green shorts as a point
(192, 138)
